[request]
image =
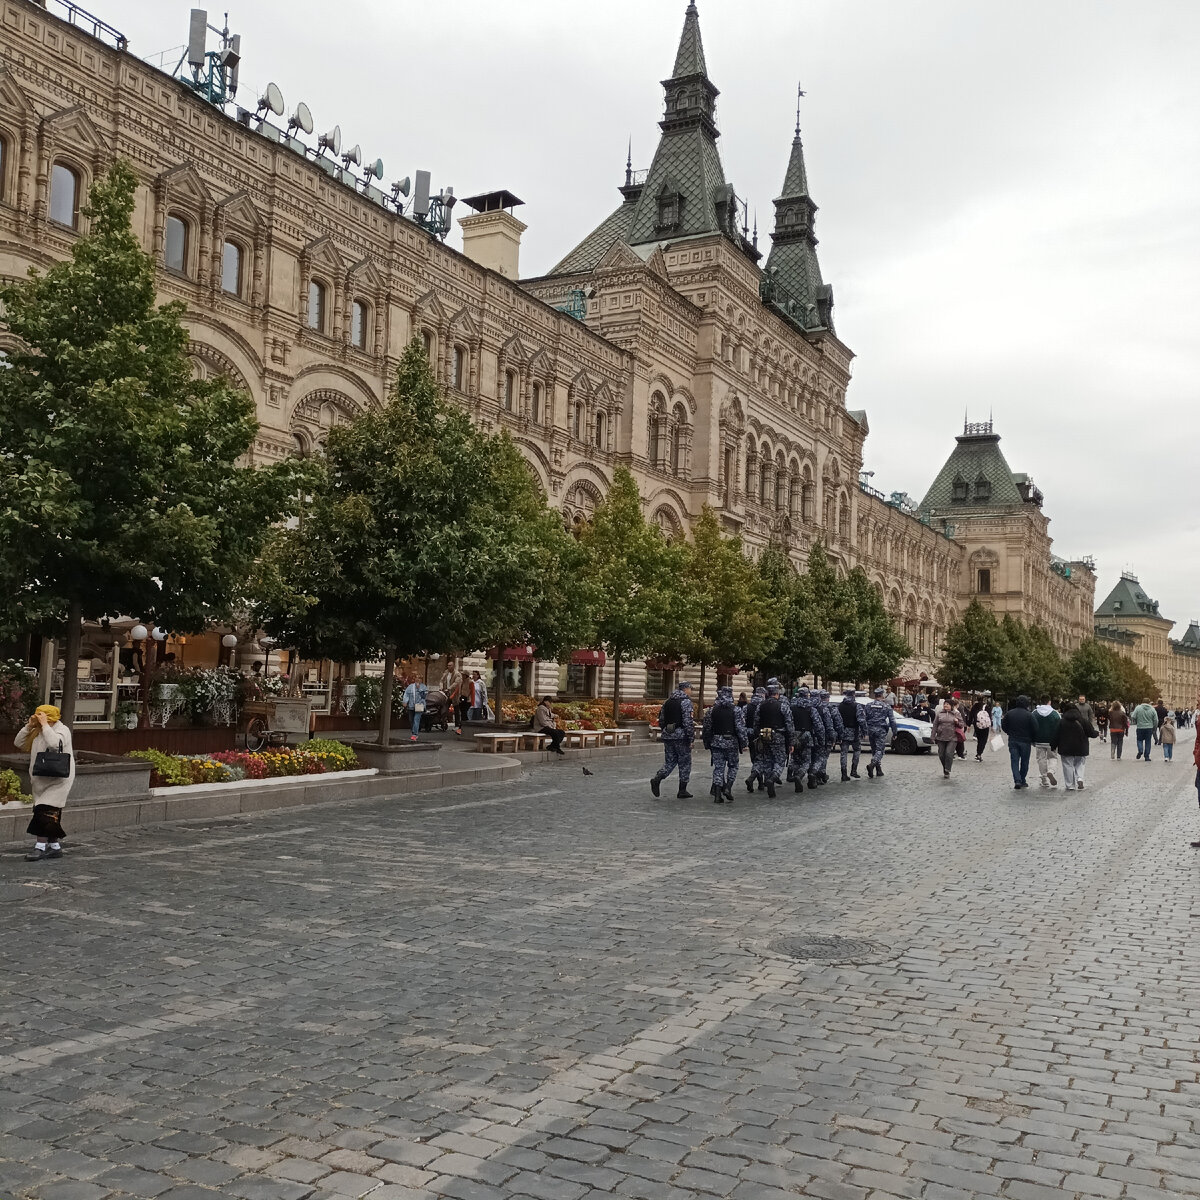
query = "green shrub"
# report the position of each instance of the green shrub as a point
(10, 788)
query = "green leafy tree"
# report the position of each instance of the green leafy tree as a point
(422, 531)
(1093, 671)
(821, 618)
(1135, 683)
(874, 649)
(119, 484)
(1049, 665)
(642, 601)
(740, 617)
(975, 652)
(781, 581)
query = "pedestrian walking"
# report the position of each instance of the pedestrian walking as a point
(1102, 720)
(819, 739)
(1018, 724)
(675, 720)
(774, 732)
(1085, 710)
(452, 685)
(854, 723)
(880, 718)
(960, 707)
(1196, 764)
(1045, 724)
(803, 725)
(1167, 732)
(415, 700)
(1118, 727)
(1161, 709)
(1145, 720)
(544, 721)
(1071, 741)
(829, 725)
(946, 727)
(748, 714)
(479, 698)
(981, 722)
(47, 740)
(997, 716)
(724, 736)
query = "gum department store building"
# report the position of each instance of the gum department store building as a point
(663, 341)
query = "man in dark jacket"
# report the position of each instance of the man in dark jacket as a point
(724, 734)
(678, 732)
(1018, 723)
(773, 733)
(1071, 744)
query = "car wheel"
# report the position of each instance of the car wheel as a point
(904, 743)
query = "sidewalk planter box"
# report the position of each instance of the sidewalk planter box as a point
(99, 778)
(397, 759)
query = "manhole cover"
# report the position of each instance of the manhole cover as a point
(818, 948)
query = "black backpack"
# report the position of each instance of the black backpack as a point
(849, 711)
(670, 716)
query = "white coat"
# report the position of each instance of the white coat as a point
(53, 792)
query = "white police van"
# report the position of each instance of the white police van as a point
(911, 737)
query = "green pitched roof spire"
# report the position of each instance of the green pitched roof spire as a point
(793, 273)
(690, 59)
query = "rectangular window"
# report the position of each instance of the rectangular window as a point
(231, 269)
(175, 255)
(64, 196)
(985, 583)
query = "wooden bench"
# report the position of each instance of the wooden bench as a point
(616, 737)
(583, 738)
(534, 741)
(495, 743)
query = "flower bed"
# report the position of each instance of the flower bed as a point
(317, 757)
(580, 714)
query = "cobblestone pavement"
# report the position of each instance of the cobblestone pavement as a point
(560, 988)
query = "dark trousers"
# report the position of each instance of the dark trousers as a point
(556, 736)
(981, 740)
(1145, 739)
(946, 754)
(1018, 757)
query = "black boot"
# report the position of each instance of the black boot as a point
(879, 770)
(870, 771)
(771, 788)
(718, 797)
(799, 784)
(812, 783)
(845, 777)
(683, 793)
(727, 792)
(854, 773)
(750, 783)
(654, 782)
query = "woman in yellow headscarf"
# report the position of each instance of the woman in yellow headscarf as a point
(47, 731)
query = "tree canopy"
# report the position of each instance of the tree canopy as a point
(420, 532)
(120, 489)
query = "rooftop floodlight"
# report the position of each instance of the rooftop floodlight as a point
(331, 141)
(353, 156)
(271, 101)
(301, 119)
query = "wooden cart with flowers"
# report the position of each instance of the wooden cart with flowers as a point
(275, 721)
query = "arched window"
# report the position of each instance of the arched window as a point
(601, 431)
(808, 502)
(844, 517)
(427, 342)
(316, 305)
(727, 471)
(793, 501)
(64, 196)
(781, 484)
(3, 166)
(231, 268)
(510, 390)
(750, 456)
(459, 368)
(535, 404)
(175, 253)
(677, 449)
(764, 483)
(577, 426)
(360, 313)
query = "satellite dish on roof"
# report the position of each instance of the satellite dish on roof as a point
(301, 118)
(271, 99)
(331, 141)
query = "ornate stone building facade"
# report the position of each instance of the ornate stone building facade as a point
(661, 342)
(1129, 622)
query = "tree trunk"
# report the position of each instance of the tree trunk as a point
(703, 676)
(616, 688)
(149, 666)
(71, 662)
(498, 690)
(385, 703)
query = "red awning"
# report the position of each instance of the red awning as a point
(512, 653)
(662, 664)
(588, 658)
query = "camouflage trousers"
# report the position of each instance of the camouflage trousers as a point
(878, 742)
(676, 753)
(851, 745)
(770, 761)
(821, 757)
(802, 755)
(725, 765)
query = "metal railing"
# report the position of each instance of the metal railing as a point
(88, 22)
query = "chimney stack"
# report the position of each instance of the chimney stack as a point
(492, 237)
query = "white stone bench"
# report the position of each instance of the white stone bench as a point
(583, 738)
(495, 743)
(534, 741)
(616, 737)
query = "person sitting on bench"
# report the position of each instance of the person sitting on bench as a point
(545, 723)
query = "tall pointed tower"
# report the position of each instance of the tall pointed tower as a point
(685, 193)
(792, 280)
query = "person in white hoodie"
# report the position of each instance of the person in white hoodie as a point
(1046, 722)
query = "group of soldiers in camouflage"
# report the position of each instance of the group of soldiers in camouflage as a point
(795, 738)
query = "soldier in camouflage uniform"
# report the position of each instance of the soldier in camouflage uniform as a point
(725, 735)
(830, 710)
(774, 733)
(804, 724)
(829, 735)
(854, 725)
(678, 734)
(880, 718)
(748, 715)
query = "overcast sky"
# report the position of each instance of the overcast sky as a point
(1009, 198)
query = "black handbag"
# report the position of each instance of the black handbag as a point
(52, 764)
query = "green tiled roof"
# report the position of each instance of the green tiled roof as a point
(1191, 639)
(597, 244)
(1128, 599)
(976, 459)
(690, 59)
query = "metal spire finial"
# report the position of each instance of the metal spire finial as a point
(800, 94)
(629, 164)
